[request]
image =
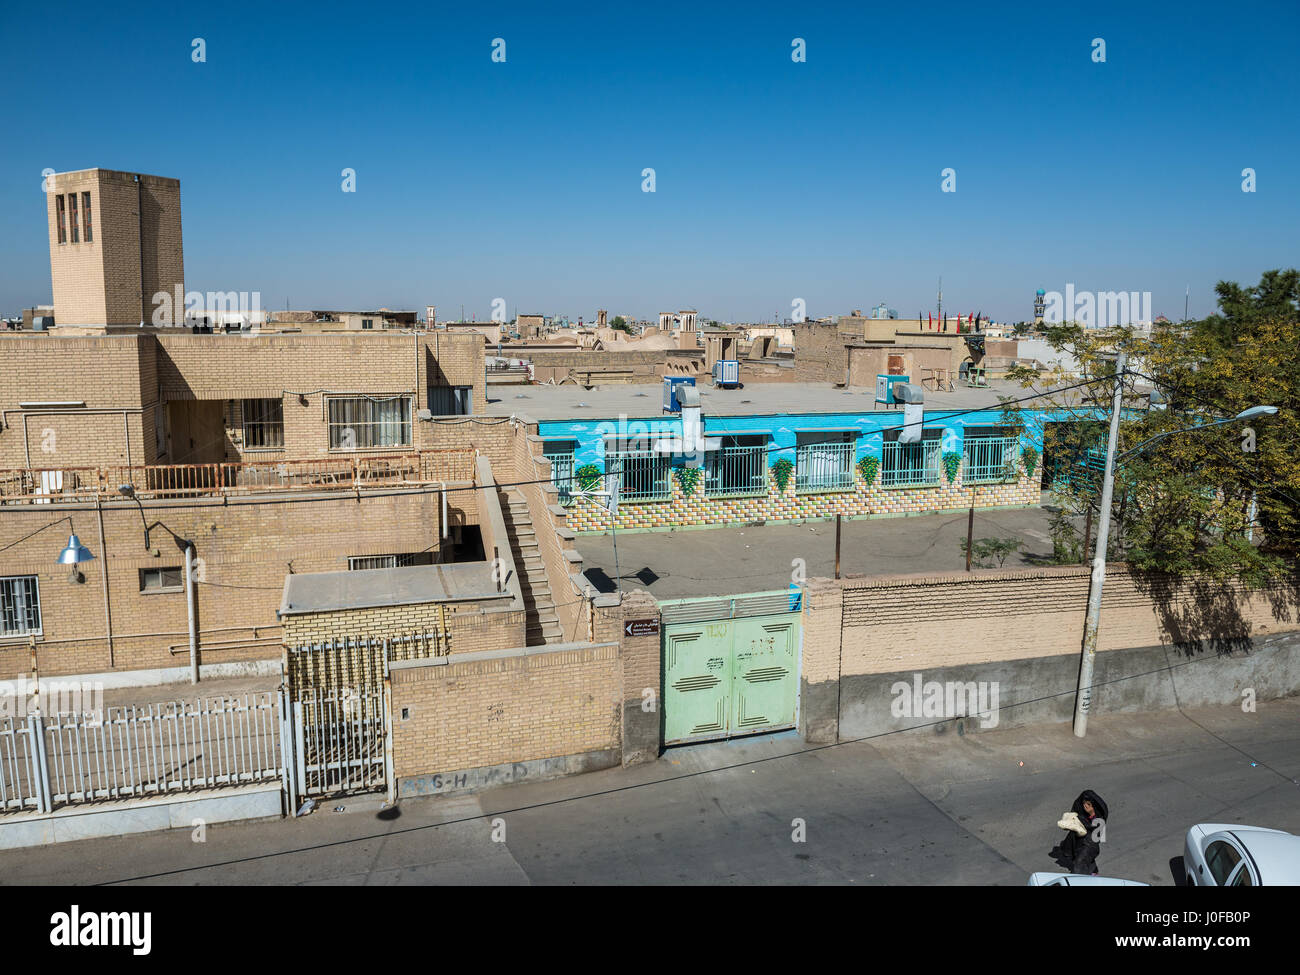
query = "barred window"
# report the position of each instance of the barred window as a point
(643, 471)
(72, 212)
(263, 424)
(85, 215)
(362, 422)
(905, 465)
(59, 205)
(824, 461)
(397, 560)
(737, 468)
(20, 606)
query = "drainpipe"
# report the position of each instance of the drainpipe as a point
(103, 578)
(190, 598)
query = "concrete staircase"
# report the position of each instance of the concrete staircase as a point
(542, 621)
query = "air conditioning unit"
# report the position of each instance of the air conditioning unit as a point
(885, 387)
(672, 396)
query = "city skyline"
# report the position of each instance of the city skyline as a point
(775, 180)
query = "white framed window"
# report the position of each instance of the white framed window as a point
(263, 424)
(361, 422)
(162, 579)
(20, 606)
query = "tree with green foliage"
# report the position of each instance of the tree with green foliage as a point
(1220, 501)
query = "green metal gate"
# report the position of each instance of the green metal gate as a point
(730, 665)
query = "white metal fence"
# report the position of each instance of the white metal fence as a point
(47, 761)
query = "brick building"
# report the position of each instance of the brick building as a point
(115, 243)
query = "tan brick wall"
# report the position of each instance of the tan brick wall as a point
(137, 371)
(515, 709)
(136, 228)
(471, 626)
(246, 550)
(919, 622)
(105, 373)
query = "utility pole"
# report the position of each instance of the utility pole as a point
(1083, 696)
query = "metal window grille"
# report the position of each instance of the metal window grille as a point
(562, 468)
(821, 467)
(85, 215)
(20, 606)
(59, 208)
(362, 422)
(72, 217)
(263, 424)
(910, 464)
(736, 472)
(989, 460)
(644, 473)
(397, 560)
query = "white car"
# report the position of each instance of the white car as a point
(1043, 879)
(1223, 855)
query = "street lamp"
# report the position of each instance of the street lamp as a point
(1083, 694)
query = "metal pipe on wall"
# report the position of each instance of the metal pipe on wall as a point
(103, 577)
(190, 602)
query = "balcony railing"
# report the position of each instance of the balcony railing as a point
(990, 460)
(362, 472)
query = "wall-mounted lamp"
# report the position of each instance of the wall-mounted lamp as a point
(73, 554)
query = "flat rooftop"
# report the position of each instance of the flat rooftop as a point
(571, 402)
(323, 592)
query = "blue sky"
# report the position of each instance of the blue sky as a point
(774, 180)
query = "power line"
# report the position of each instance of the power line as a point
(704, 772)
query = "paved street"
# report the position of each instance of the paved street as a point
(909, 809)
(753, 558)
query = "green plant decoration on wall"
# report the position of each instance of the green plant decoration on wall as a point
(951, 464)
(867, 467)
(589, 477)
(1030, 457)
(687, 479)
(781, 471)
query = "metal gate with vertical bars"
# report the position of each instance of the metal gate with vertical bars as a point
(730, 665)
(339, 742)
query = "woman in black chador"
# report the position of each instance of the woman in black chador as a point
(1078, 851)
